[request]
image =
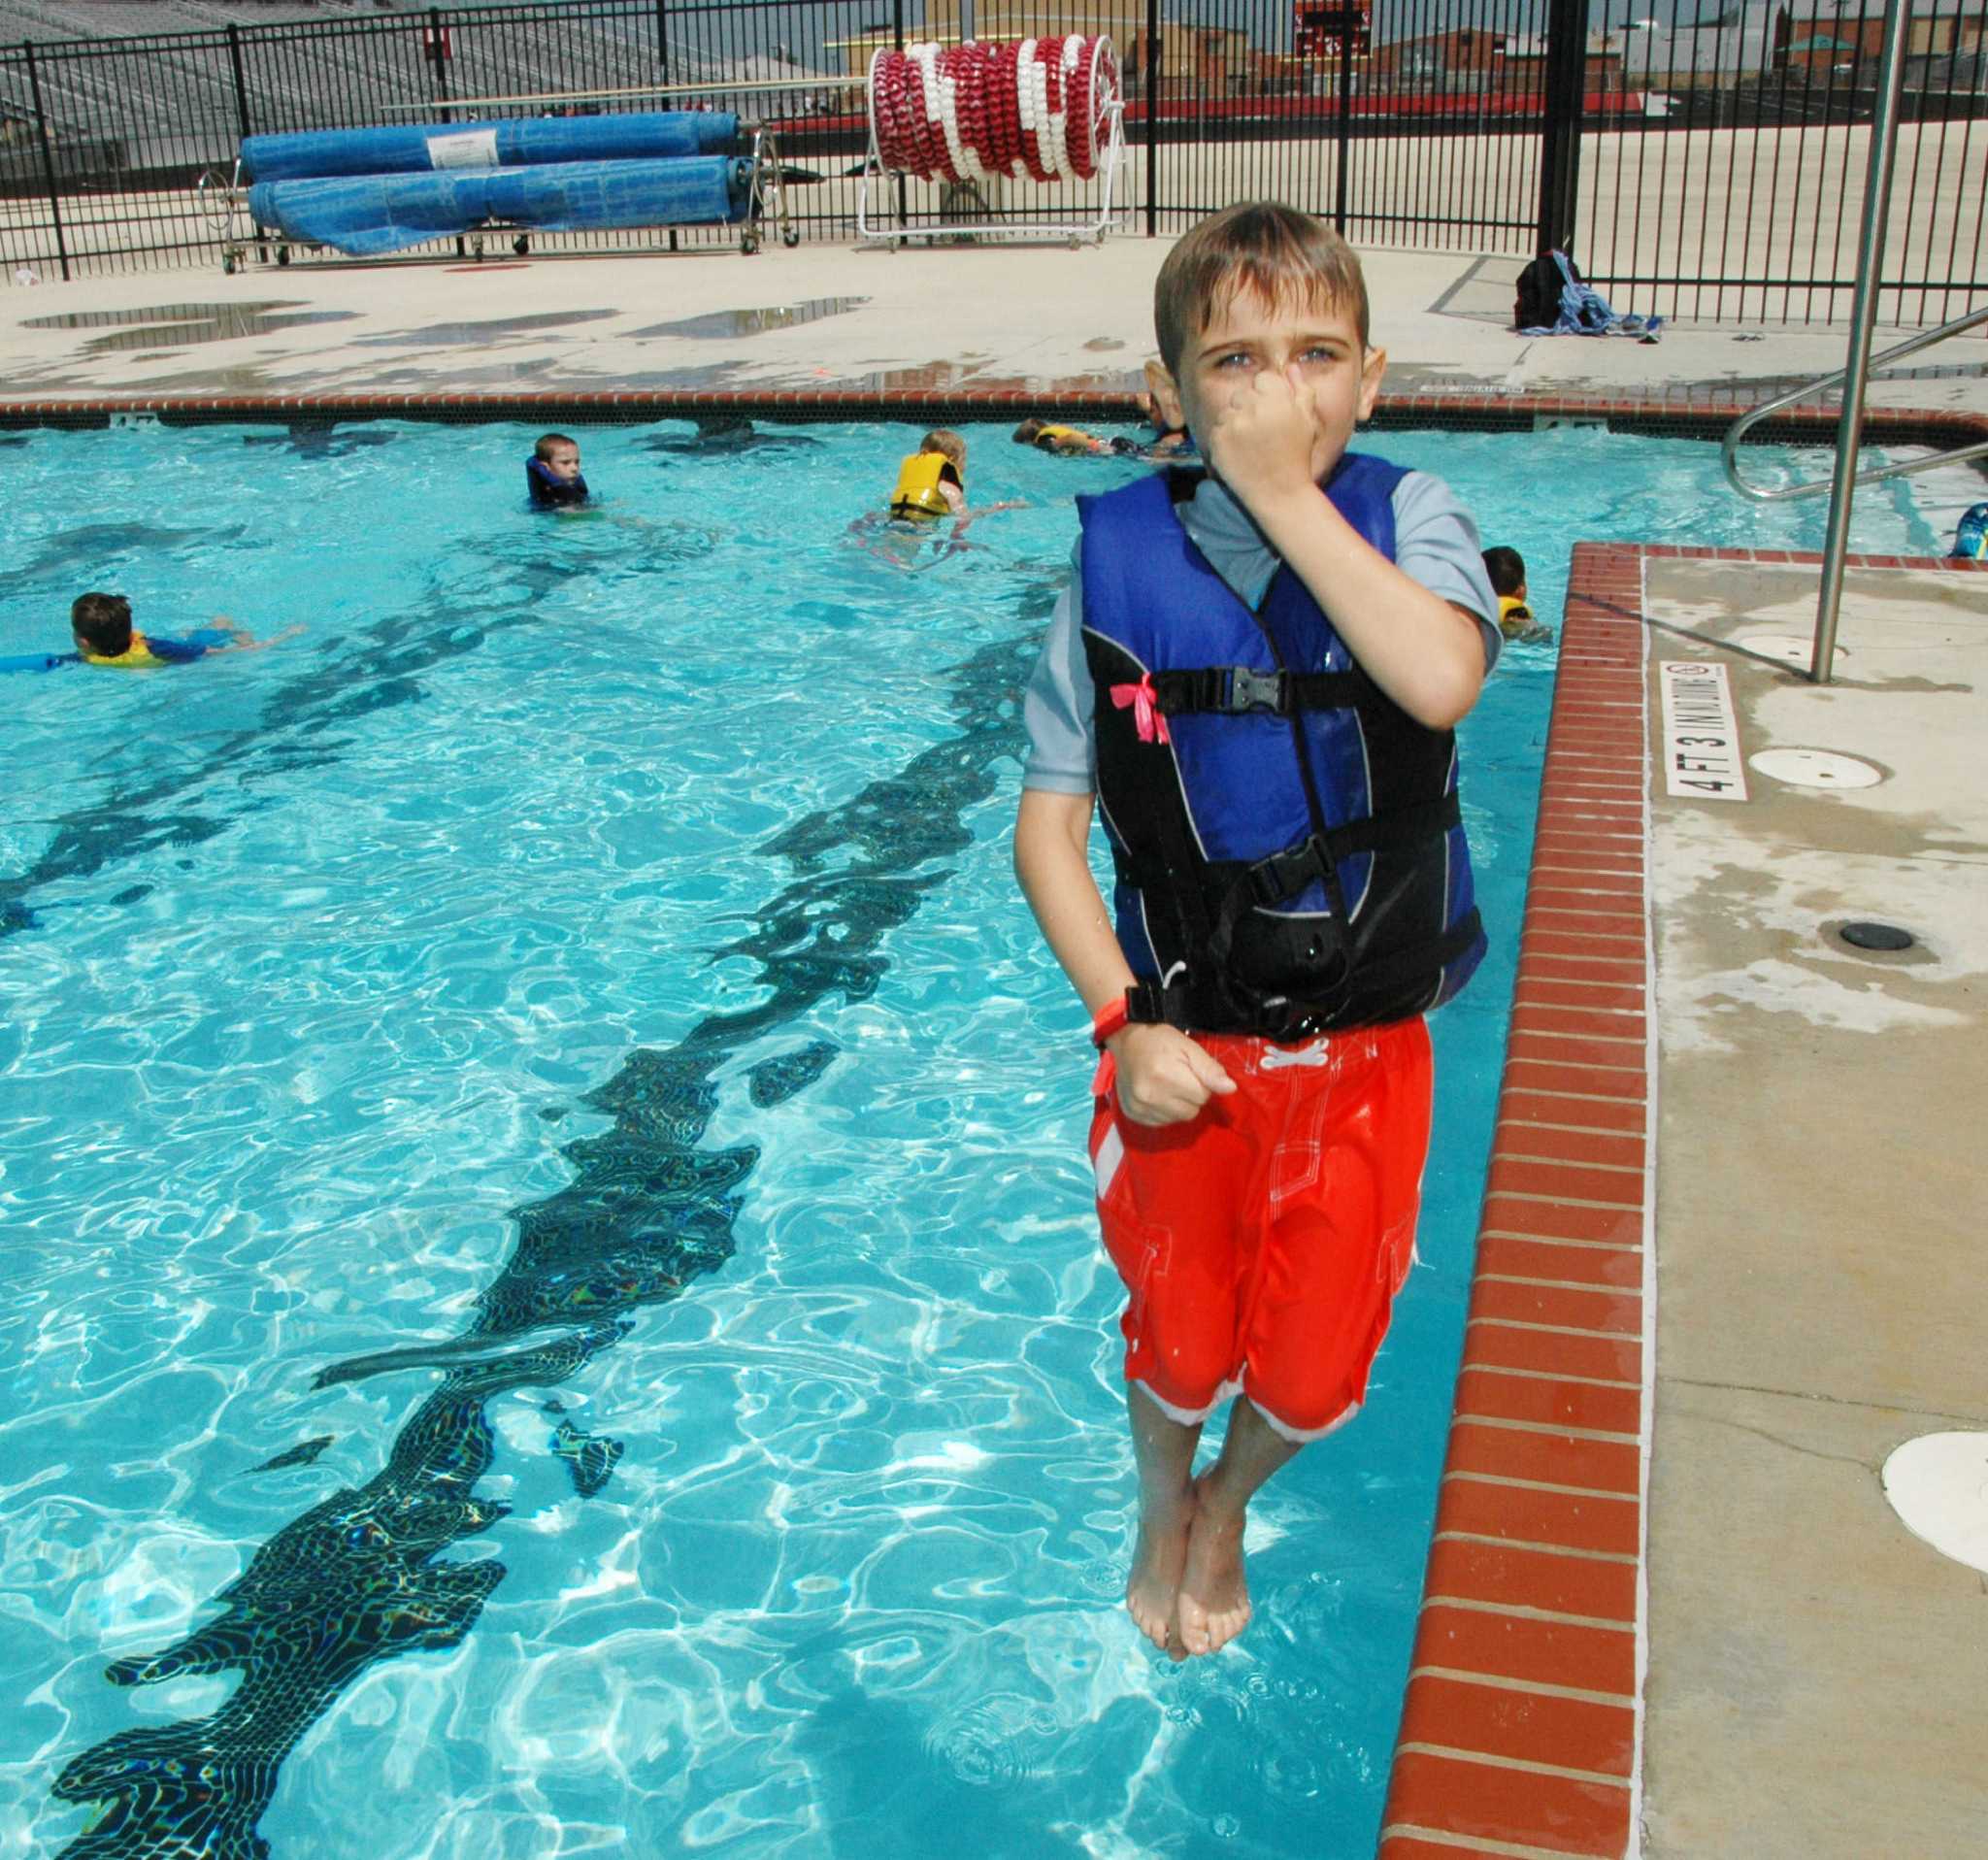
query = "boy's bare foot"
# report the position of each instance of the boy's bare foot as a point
(1158, 1557)
(1212, 1607)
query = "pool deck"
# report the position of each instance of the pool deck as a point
(1734, 1208)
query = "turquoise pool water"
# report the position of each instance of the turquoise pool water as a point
(553, 1305)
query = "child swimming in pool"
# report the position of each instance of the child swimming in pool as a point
(931, 485)
(1256, 671)
(1506, 570)
(932, 480)
(101, 628)
(1067, 442)
(551, 474)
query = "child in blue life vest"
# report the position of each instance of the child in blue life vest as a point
(1255, 673)
(1971, 535)
(551, 474)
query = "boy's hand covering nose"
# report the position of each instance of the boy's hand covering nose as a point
(1163, 1077)
(1261, 443)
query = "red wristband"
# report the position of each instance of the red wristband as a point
(1107, 1021)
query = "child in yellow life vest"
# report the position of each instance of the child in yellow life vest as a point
(1507, 567)
(930, 481)
(1071, 442)
(101, 626)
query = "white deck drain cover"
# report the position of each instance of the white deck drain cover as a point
(1791, 647)
(1815, 769)
(1938, 1485)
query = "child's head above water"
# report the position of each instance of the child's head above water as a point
(559, 455)
(1507, 567)
(948, 444)
(551, 474)
(101, 625)
(1263, 286)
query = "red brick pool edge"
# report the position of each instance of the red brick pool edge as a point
(1520, 1733)
(1520, 1724)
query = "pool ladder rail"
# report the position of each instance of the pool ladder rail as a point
(1815, 487)
(1854, 376)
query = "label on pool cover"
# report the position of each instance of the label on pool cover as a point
(1700, 738)
(471, 148)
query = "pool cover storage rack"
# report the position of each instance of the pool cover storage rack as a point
(365, 193)
(982, 114)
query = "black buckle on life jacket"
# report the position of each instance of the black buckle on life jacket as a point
(1252, 690)
(1283, 875)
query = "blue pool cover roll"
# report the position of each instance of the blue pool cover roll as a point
(523, 142)
(362, 215)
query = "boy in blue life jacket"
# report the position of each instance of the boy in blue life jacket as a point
(1256, 670)
(551, 474)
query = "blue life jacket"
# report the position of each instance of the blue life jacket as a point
(549, 492)
(1288, 843)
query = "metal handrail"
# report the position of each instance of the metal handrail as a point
(1855, 375)
(1740, 427)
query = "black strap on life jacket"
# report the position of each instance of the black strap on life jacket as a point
(1189, 1003)
(1236, 691)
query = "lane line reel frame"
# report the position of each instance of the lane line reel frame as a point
(1108, 149)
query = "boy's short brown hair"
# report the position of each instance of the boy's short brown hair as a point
(101, 623)
(542, 449)
(1271, 251)
(947, 444)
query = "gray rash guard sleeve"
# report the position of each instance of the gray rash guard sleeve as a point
(1436, 542)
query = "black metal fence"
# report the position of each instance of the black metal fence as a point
(1710, 171)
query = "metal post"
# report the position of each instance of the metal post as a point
(897, 28)
(662, 50)
(1566, 81)
(34, 89)
(439, 60)
(241, 79)
(1341, 179)
(1863, 315)
(1152, 117)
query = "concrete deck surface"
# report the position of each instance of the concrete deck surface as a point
(1815, 1676)
(922, 319)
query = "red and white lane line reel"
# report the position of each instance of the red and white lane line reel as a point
(1041, 110)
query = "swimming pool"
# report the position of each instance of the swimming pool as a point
(554, 1057)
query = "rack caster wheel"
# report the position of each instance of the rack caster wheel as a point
(521, 245)
(476, 248)
(791, 238)
(748, 244)
(283, 254)
(228, 264)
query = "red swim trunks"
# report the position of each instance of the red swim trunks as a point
(1263, 1242)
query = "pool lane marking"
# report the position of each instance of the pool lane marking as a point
(673, 1088)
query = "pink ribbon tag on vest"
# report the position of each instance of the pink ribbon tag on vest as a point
(1146, 715)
